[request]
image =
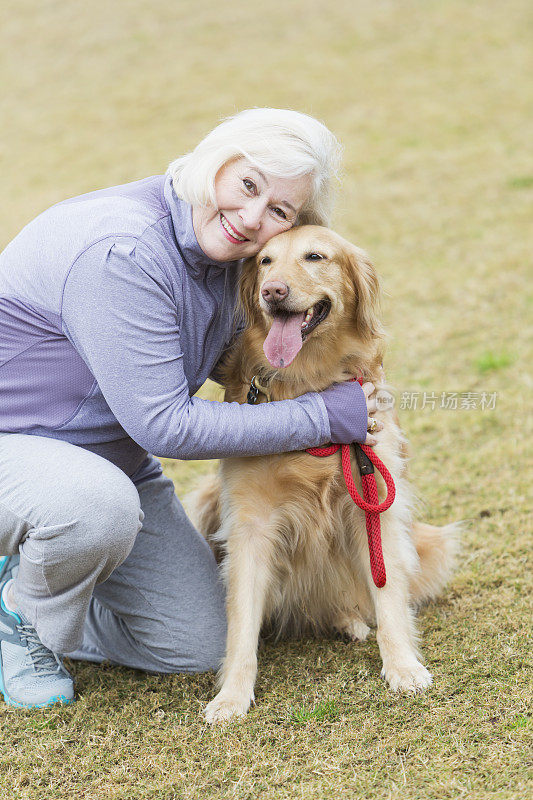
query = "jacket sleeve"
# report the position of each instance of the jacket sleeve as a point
(240, 327)
(119, 312)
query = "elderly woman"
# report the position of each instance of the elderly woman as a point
(115, 307)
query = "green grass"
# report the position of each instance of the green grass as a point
(433, 104)
(489, 361)
(326, 710)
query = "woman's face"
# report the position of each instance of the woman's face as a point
(251, 208)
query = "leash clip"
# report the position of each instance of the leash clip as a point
(365, 465)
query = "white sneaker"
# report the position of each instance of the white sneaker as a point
(31, 676)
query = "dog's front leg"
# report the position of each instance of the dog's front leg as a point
(396, 630)
(248, 576)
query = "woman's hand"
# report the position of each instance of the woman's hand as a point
(371, 406)
(349, 406)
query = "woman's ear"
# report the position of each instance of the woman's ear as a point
(248, 290)
(364, 283)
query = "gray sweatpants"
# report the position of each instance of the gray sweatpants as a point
(107, 570)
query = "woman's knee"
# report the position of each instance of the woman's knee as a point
(109, 519)
(96, 525)
(197, 645)
(156, 642)
(201, 653)
(57, 491)
(209, 645)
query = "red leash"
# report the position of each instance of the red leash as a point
(366, 460)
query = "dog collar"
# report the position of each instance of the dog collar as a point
(255, 390)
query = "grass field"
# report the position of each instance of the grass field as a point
(433, 102)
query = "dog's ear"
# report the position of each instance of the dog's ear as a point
(248, 289)
(364, 282)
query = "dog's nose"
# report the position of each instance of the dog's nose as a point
(274, 291)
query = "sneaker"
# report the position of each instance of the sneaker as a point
(9, 566)
(31, 676)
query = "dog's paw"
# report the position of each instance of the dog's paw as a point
(226, 707)
(413, 678)
(356, 629)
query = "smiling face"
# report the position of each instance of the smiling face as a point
(251, 208)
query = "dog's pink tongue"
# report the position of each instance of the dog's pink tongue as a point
(284, 339)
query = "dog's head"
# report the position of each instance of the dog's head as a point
(309, 284)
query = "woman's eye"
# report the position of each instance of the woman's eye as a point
(280, 213)
(250, 185)
(266, 260)
(313, 257)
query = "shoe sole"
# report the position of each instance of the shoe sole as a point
(57, 699)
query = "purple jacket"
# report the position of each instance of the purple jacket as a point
(111, 318)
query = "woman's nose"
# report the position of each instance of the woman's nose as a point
(251, 215)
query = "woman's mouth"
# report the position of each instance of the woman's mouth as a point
(231, 233)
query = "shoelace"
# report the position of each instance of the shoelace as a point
(43, 659)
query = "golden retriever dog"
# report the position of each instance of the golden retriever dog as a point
(292, 543)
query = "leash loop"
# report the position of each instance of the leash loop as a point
(373, 508)
(366, 460)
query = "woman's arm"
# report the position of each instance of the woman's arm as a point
(217, 371)
(120, 313)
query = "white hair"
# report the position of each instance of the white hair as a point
(280, 142)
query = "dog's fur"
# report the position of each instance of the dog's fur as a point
(292, 543)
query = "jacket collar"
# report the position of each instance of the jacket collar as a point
(191, 252)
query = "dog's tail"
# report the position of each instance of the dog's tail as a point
(437, 549)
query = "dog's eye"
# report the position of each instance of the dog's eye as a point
(266, 260)
(313, 257)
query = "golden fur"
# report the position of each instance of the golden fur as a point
(292, 543)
